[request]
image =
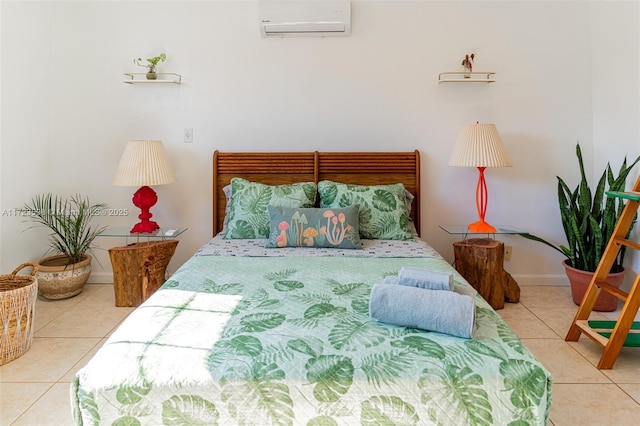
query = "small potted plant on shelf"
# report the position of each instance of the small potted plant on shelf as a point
(64, 274)
(151, 65)
(588, 220)
(467, 63)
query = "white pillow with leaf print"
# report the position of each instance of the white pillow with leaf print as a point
(383, 210)
(248, 210)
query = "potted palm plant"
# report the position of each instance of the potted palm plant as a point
(588, 219)
(64, 274)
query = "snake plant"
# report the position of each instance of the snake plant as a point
(589, 218)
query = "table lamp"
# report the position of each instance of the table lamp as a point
(144, 163)
(479, 145)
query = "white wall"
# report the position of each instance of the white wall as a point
(66, 115)
(25, 165)
(616, 95)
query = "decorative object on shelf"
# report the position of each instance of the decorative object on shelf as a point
(479, 145)
(18, 294)
(144, 163)
(151, 65)
(588, 219)
(64, 275)
(468, 75)
(467, 63)
(161, 77)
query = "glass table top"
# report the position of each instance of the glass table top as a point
(464, 230)
(122, 231)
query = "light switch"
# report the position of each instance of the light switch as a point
(188, 135)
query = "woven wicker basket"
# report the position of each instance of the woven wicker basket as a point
(18, 295)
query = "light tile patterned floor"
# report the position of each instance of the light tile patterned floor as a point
(34, 389)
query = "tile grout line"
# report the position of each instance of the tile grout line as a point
(26, 410)
(627, 393)
(87, 353)
(609, 379)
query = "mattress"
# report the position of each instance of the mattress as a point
(243, 335)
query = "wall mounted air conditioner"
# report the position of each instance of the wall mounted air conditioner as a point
(305, 18)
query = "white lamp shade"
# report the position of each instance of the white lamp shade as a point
(479, 145)
(144, 163)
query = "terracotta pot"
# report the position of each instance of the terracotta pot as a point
(579, 281)
(59, 281)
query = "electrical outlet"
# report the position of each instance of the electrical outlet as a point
(188, 135)
(507, 252)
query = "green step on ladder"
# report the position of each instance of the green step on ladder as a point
(612, 335)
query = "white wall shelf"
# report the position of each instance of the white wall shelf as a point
(459, 77)
(163, 78)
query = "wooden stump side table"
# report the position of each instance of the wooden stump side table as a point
(480, 262)
(139, 269)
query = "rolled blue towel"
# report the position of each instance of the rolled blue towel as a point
(424, 278)
(467, 290)
(458, 288)
(391, 279)
(442, 311)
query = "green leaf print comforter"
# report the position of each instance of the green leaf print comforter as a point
(232, 340)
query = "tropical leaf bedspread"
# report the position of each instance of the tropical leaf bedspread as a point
(288, 341)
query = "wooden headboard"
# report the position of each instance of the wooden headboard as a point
(278, 168)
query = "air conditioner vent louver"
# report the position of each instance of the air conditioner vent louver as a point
(304, 27)
(310, 18)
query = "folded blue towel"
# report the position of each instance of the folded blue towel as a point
(424, 278)
(442, 311)
(458, 288)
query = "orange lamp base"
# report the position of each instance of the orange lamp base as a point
(481, 227)
(482, 198)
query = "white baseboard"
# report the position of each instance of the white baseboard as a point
(541, 279)
(101, 278)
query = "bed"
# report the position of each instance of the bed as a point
(243, 334)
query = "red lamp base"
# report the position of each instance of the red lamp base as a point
(145, 198)
(146, 226)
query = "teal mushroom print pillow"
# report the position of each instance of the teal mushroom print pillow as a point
(248, 215)
(383, 209)
(304, 227)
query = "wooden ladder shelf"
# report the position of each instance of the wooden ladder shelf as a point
(612, 335)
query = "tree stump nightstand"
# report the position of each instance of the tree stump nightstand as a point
(139, 269)
(480, 262)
